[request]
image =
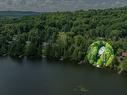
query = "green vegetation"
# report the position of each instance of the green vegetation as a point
(81, 89)
(63, 35)
(123, 66)
(100, 54)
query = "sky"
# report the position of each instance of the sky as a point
(58, 5)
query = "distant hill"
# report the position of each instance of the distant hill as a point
(17, 13)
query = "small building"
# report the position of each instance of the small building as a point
(124, 54)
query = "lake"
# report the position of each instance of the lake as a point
(43, 77)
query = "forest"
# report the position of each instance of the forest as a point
(64, 35)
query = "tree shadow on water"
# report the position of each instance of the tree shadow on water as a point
(15, 60)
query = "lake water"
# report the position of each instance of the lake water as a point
(42, 77)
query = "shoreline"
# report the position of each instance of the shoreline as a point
(71, 62)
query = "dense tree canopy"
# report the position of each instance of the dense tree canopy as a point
(63, 35)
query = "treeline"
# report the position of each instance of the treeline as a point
(63, 35)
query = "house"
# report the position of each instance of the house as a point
(124, 54)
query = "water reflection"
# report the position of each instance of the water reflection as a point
(42, 77)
